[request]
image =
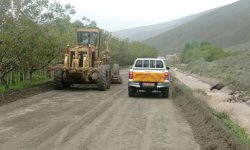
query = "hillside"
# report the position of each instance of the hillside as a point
(227, 26)
(145, 32)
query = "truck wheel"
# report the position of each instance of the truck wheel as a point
(131, 92)
(102, 79)
(108, 72)
(165, 93)
(116, 69)
(58, 80)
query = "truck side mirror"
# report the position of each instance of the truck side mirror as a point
(167, 68)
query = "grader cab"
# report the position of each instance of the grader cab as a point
(88, 62)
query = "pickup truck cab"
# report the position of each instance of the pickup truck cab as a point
(149, 74)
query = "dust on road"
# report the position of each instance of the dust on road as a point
(88, 119)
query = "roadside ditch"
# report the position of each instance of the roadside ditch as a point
(209, 130)
(14, 95)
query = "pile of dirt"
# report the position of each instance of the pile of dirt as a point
(208, 130)
(239, 96)
(14, 95)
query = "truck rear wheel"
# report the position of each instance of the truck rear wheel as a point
(58, 80)
(131, 92)
(165, 93)
(102, 82)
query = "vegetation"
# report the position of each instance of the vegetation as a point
(239, 132)
(125, 52)
(33, 33)
(185, 89)
(195, 50)
(222, 26)
(233, 68)
(37, 79)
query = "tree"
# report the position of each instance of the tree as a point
(33, 32)
(125, 52)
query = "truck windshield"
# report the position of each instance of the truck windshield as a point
(86, 38)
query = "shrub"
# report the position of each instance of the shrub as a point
(204, 50)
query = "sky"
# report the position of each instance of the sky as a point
(114, 15)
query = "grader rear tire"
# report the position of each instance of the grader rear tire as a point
(116, 69)
(102, 79)
(116, 78)
(120, 80)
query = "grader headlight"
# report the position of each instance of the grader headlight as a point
(66, 60)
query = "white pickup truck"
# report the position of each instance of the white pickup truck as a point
(149, 74)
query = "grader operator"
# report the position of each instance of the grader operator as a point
(88, 62)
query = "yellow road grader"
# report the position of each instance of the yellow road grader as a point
(88, 63)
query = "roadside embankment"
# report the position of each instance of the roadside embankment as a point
(207, 114)
(13, 95)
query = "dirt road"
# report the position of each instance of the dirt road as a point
(87, 119)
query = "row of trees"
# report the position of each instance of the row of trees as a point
(202, 50)
(34, 33)
(125, 52)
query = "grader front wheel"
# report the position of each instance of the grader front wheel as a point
(102, 82)
(108, 72)
(58, 80)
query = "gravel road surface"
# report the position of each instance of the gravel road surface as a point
(88, 119)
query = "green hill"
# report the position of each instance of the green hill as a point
(145, 32)
(227, 26)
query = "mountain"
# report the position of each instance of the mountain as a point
(145, 32)
(227, 26)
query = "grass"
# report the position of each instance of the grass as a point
(238, 131)
(2, 89)
(202, 92)
(26, 84)
(187, 90)
(234, 71)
